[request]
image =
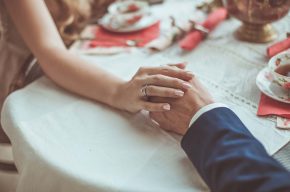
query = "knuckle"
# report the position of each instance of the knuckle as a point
(155, 78)
(139, 71)
(165, 70)
(142, 69)
(169, 68)
(165, 67)
(172, 67)
(138, 79)
(176, 81)
(169, 92)
(158, 77)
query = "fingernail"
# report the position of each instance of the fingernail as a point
(189, 73)
(186, 85)
(179, 93)
(166, 107)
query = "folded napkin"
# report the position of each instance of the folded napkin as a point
(269, 106)
(192, 40)
(170, 32)
(278, 47)
(104, 38)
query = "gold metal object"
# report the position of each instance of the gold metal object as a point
(257, 16)
(256, 33)
(144, 91)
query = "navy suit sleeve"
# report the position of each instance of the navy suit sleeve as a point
(229, 158)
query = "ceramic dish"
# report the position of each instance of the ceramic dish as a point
(143, 23)
(128, 7)
(266, 83)
(278, 61)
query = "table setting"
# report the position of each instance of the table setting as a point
(64, 142)
(189, 33)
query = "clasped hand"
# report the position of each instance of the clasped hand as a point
(171, 94)
(183, 109)
(170, 81)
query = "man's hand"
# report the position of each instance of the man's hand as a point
(182, 110)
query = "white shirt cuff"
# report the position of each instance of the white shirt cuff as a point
(204, 110)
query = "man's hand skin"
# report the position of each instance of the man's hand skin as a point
(182, 110)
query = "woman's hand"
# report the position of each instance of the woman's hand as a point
(68, 70)
(167, 81)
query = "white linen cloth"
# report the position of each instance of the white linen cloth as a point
(62, 142)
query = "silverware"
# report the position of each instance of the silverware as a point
(194, 26)
(199, 27)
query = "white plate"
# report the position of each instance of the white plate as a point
(113, 8)
(144, 23)
(268, 86)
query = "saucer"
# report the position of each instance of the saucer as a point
(114, 8)
(265, 82)
(145, 22)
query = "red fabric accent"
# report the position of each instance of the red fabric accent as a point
(106, 38)
(192, 40)
(278, 47)
(269, 106)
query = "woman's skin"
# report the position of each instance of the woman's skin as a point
(38, 30)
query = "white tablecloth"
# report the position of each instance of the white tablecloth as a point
(63, 142)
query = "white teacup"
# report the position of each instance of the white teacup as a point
(278, 61)
(129, 11)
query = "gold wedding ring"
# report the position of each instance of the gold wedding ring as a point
(144, 91)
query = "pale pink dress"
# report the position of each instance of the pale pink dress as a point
(13, 54)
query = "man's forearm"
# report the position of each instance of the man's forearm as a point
(229, 158)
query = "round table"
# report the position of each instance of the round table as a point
(63, 142)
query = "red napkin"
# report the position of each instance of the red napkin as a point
(191, 40)
(278, 47)
(269, 106)
(106, 38)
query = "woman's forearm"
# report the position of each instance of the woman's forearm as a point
(71, 72)
(38, 30)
